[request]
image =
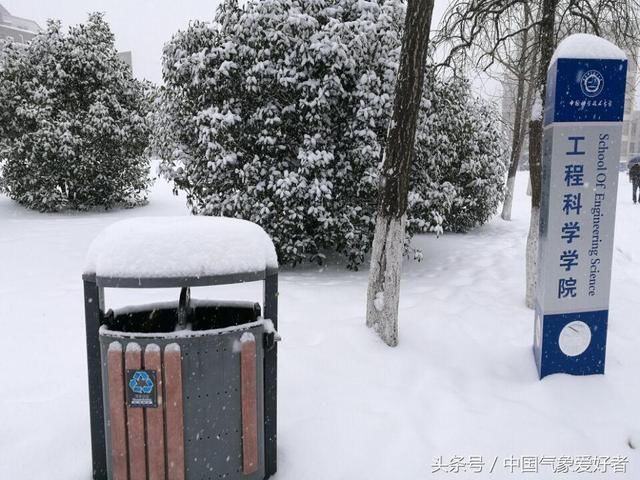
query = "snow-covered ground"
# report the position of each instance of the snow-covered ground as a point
(462, 382)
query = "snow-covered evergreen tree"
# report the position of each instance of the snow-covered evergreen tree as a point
(460, 164)
(72, 124)
(278, 113)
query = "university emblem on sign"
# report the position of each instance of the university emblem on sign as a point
(592, 83)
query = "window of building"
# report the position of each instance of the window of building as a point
(633, 147)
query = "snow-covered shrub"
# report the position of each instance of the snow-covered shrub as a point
(460, 162)
(278, 113)
(72, 122)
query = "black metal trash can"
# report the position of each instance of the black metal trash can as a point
(207, 419)
(187, 389)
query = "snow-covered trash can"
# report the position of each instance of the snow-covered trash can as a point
(183, 389)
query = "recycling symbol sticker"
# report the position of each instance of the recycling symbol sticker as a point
(141, 389)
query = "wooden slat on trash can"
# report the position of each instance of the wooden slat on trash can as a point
(249, 406)
(117, 413)
(174, 412)
(155, 417)
(135, 421)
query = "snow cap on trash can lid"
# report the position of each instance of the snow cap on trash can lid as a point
(172, 247)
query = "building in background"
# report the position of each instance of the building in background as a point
(630, 138)
(18, 29)
(630, 145)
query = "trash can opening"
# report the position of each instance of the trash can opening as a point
(164, 318)
(183, 388)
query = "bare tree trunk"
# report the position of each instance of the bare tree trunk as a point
(516, 142)
(516, 148)
(535, 155)
(547, 44)
(526, 79)
(383, 293)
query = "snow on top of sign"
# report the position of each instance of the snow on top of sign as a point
(585, 45)
(173, 247)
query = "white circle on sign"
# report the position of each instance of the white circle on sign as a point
(592, 83)
(575, 338)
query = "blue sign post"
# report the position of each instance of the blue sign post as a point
(583, 114)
